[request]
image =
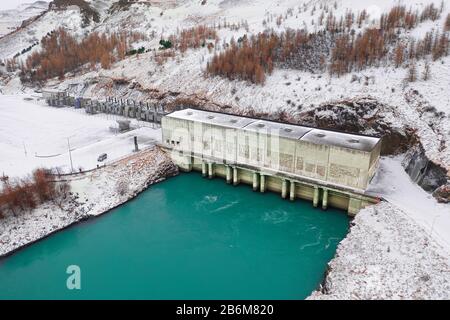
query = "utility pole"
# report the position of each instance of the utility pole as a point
(24, 149)
(70, 156)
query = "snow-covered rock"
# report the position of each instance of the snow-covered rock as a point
(386, 256)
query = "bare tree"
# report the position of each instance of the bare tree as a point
(426, 70)
(399, 55)
(412, 71)
(61, 193)
(447, 23)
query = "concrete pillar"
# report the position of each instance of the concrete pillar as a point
(229, 174)
(190, 163)
(204, 173)
(354, 205)
(316, 197)
(210, 170)
(292, 191)
(325, 199)
(262, 186)
(284, 188)
(185, 164)
(255, 181)
(235, 176)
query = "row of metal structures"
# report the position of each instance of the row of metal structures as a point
(335, 158)
(127, 108)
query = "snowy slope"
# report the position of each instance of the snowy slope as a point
(15, 42)
(393, 184)
(386, 256)
(286, 90)
(10, 20)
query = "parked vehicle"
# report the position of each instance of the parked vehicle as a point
(102, 157)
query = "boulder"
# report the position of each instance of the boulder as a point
(442, 194)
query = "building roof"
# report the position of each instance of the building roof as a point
(289, 131)
(340, 139)
(283, 130)
(214, 118)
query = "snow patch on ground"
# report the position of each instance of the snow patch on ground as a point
(386, 255)
(398, 249)
(392, 183)
(35, 135)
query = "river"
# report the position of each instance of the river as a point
(184, 238)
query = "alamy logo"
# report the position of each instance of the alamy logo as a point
(74, 280)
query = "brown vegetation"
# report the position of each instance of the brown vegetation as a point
(195, 37)
(337, 49)
(163, 55)
(62, 53)
(412, 72)
(26, 194)
(447, 23)
(247, 61)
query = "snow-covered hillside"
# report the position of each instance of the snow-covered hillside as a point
(10, 20)
(421, 107)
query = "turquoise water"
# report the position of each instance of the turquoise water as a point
(185, 238)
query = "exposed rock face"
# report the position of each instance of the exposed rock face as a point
(121, 5)
(368, 116)
(363, 116)
(88, 12)
(422, 171)
(442, 194)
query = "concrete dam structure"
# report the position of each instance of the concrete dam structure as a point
(115, 106)
(323, 166)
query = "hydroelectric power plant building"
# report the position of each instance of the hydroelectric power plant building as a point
(326, 167)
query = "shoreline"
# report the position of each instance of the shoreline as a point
(85, 219)
(158, 177)
(385, 256)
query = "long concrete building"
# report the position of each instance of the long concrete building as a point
(325, 166)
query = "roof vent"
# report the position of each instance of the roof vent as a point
(189, 113)
(287, 129)
(320, 135)
(353, 141)
(210, 117)
(233, 121)
(260, 125)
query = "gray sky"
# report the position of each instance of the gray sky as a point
(12, 4)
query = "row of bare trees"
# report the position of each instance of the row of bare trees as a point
(373, 48)
(247, 60)
(26, 194)
(62, 53)
(194, 37)
(336, 49)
